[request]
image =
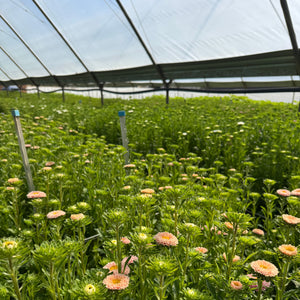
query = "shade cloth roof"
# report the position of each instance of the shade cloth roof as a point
(135, 42)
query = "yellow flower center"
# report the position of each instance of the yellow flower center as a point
(289, 248)
(116, 281)
(165, 237)
(9, 244)
(113, 268)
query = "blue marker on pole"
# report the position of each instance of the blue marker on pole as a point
(121, 113)
(15, 113)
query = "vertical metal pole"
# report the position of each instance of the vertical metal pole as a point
(20, 89)
(121, 114)
(63, 93)
(101, 92)
(16, 115)
(38, 91)
(167, 85)
(167, 94)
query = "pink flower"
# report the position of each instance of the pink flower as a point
(201, 249)
(265, 284)
(55, 214)
(288, 250)
(235, 259)
(265, 268)
(258, 231)
(49, 163)
(125, 240)
(77, 217)
(132, 259)
(147, 191)
(291, 219)
(167, 187)
(284, 193)
(166, 239)
(236, 285)
(36, 194)
(129, 166)
(113, 267)
(116, 282)
(295, 192)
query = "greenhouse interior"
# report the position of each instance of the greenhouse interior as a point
(149, 149)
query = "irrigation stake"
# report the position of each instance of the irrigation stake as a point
(16, 115)
(121, 114)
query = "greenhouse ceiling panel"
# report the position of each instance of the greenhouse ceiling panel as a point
(95, 42)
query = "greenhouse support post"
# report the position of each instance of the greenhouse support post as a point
(121, 114)
(63, 93)
(16, 115)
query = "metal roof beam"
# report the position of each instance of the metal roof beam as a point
(67, 43)
(157, 67)
(12, 80)
(33, 83)
(292, 34)
(26, 45)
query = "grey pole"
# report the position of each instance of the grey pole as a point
(63, 93)
(121, 114)
(16, 115)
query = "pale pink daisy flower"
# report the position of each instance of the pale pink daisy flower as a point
(49, 163)
(27, 145)
(235, 259)
(166, 239)
(129, 166)
(295, 192)
(55, 214)
(236, 285)
(147, 191)
(283, 192)
(288, 250)
(229, 225)
(132, 259)
(265, 284)
(168, 187)
(113, 267)
(125, 240)
(251, 276)
(47, 168)
(13, 180)
(116, 282)
(291, 219)
(201, 250)
(36, 194)
(126, 187)
(161, 188)
(265, 268)
(258, 231)
(77, 217)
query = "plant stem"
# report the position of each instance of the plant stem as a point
(14, 279)
(231, 257)
(281, 289)
(259, 281)
(118, 259)
(161, 287)
(52, 284)
(186, 256)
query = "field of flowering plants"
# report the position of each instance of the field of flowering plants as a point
(208, 206)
